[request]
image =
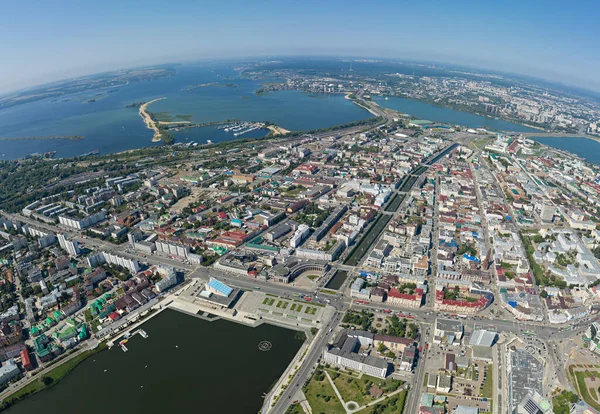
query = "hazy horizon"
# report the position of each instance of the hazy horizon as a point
(46, 42)
(439, 64)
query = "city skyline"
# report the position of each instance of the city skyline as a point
(110, 36)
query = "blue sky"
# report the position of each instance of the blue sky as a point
(50, 40)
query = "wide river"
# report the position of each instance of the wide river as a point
(587, 149)
(185, 365)
(423, 110)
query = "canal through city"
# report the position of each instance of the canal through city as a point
(337, 280)
(185, 365)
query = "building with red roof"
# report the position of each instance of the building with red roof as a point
(395, 297)
(26, 360)
(475, 303)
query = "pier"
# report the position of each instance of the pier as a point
(126, 339)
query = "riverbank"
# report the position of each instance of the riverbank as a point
(464, 110)
(55, 372)
(583, 147)
(147, 118)
(560, 136)
(59, 368)
(360, 105)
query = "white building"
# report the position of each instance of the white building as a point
(345, 352)
(84, 222)
(300, 235)
(8, 371)
(71, 247)
(104, 257)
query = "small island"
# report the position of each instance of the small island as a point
(199, 85)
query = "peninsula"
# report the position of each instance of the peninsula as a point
(150, 122)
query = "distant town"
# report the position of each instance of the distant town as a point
(432, 268)
(548, 108)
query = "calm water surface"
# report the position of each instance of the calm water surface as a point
(110, 127)
(423, 110)
(587, 149)
(187, 365)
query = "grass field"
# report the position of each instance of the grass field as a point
(356, 389)
(585, 393)
(393, 405)
(295, 409)
(321, 397)
(351, 389)
(487, 389)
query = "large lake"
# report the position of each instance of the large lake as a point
(186, 365)
(110, 127)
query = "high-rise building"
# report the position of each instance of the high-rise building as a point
(71, 247)
(547, 212)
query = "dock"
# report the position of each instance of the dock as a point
(127, 337)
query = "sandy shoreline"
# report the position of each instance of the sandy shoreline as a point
(150, 124)
(174, 122)
(277, 130)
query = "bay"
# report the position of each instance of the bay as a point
(185, 365)
(108, 126)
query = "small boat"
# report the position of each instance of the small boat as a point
(208, 141)
(105, 370)
(146, 366)
(176, 346)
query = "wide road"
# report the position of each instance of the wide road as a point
(498, 325)
(305, 370)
